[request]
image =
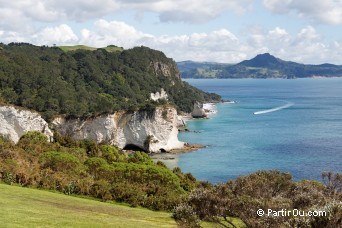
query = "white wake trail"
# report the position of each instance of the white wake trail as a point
(273, 109)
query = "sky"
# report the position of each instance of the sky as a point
(226, 31)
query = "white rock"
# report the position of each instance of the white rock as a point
(157, 96)
(198, 111)
(152, 131)
(15, 122)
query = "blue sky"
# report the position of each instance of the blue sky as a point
(221, 31)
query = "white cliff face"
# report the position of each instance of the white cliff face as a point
(15, 122)
(152, 131)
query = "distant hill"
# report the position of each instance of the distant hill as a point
(191, 69)
(261, 66)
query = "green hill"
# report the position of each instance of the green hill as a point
(80, 81)
(110, 48)
(24, 207)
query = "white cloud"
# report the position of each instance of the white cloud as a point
(60, 35)
(197, 11)
(327, 11)
(192, 11)
(221, 45)
(119, 33)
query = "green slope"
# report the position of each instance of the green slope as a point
(24, 207)
(110, 48)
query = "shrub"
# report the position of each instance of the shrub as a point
(91, 147)
(96, 166)
(112, 154)
(33, 137)
(140, 157)
(59, 161)
(185, 216)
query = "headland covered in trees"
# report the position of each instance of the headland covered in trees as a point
(85, 82)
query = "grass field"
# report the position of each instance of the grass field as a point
(24, 207)
(110, 48)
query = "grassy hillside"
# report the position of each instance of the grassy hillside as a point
(110, 48)
(31, 208)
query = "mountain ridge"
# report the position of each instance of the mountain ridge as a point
(261, 66)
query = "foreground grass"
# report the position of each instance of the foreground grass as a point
(24, 207)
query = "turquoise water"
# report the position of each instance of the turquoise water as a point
(303, 137)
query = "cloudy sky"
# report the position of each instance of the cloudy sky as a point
(307, 31)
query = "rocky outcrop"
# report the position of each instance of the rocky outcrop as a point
(153, 131)
(168, 70)
(159, 95)
(15, 122)
(198, 111)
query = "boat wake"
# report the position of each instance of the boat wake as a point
(273, 109)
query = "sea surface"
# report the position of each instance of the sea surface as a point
(290, 125)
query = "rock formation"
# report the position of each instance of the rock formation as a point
(198, 111)
(15, 122)
(159, 95)
(153, 131)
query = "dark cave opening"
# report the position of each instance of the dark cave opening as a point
(134, 148)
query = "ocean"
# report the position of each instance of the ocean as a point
(293, 126)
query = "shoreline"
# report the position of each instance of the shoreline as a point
(210, 110)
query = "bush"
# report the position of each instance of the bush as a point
(33, 137)
(96, 166)
(140, 157)
(112, 154)
(59, 161)
(185, 216)
(91, 147)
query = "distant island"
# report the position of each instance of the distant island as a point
(261, 66)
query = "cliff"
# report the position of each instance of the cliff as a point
(153, 131)
(15, 123)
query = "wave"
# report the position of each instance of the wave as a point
(273, 109)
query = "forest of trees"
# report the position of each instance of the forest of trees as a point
(84, 83)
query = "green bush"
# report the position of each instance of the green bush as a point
(140, 157)
(96, 165)
(59, 161)
(33, 137)
(112, 154)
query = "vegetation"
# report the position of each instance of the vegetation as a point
(265, 190)
(78, 82)
(104, 172)
(85, 168)
(24, 207)
(110, 48)
(262, 66)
